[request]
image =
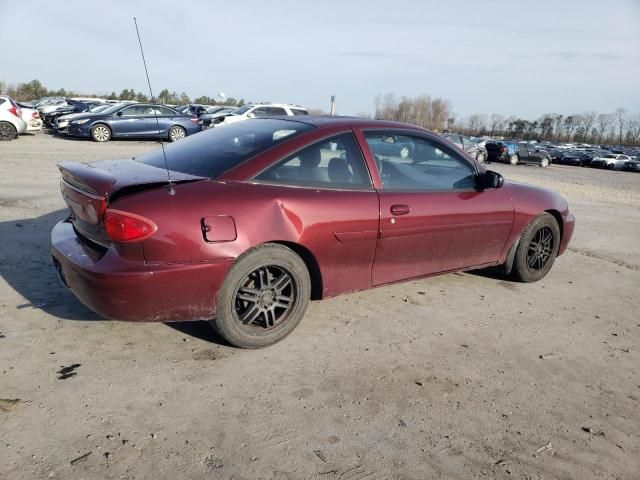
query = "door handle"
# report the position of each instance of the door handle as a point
(400, 209)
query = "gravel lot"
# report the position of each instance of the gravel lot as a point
(458, 376)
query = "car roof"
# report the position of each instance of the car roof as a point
(326, 121)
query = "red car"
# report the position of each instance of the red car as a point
(245, 224)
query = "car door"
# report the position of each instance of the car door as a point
(432, 217)
(523, 152)
(131, 121)
(161, 119)
(326, 191)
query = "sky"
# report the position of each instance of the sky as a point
(520, 57)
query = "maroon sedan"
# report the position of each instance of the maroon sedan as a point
(246, 223)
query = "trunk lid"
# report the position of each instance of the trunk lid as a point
(88, 189)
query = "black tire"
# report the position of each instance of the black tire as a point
(534, 255)
(544, 162)
(267, 284)
(481, 157)
(7, 131)
(100, 133)
(177, 133)
(611, 166)
(513, 159)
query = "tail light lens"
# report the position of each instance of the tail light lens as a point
(14, 110)
(35, 114)
(194, 120)
(125, 227)
(502, 149)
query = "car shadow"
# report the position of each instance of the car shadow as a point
(26, 266)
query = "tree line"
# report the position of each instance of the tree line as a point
(437, 114)
(24, 92)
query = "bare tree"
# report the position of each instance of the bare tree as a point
(603, 122)
(587, 120)
(621, 117)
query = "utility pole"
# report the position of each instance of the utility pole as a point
(333, 105)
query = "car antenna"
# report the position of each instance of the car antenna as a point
(153, 100)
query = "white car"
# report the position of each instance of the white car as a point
(610, 161)
(31, 117)
(258, 110)
(11, 123)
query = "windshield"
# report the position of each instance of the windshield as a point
(99, 108)
(216, 151)
(241, 110)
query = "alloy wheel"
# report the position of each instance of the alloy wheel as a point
(100, 133)
(540, 249)
(177, 134)
(264, 299)
(7, 131)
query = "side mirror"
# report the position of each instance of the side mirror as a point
(119, 114)
(491, 179)
(251, 115)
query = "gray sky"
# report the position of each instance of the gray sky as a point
(522, 57)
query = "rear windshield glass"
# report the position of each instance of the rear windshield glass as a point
(218, 150)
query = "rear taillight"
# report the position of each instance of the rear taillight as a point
(194, 120)
(35, 114)
(125, 227)
(14, 110)
(502, 149)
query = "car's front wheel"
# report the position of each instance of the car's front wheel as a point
(100, 133)
(7, 131)
(513, 159)
(537, 249)
(177, 133)
(263, 298)
(544, 162)
(481, 157)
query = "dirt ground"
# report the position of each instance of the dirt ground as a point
(459, 376)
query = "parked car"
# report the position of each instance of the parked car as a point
(62, 122)
(134, 120)
(520, 152)
(193, 109)
(31, 117)
(475, 149)
(258, 111)
(213, 113)
(73, 106)
(11, 122)
(610, 161)
(260, 217)
(632, 165)
(572, 157)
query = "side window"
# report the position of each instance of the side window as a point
(332, 163)
(419, 164)
(133, 111)
(298, 111)
(276, 111)
(456, 140)
(161, 111)
(260, 112)
(468, 143)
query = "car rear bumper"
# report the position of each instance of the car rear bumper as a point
(121, 289)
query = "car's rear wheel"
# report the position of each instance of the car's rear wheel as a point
(610, 166)
(513, 159)
(537, 249)
(263, 298)
(544, 162)
(100, 133)
(7, 131)
(481, 157)
(177, 133)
